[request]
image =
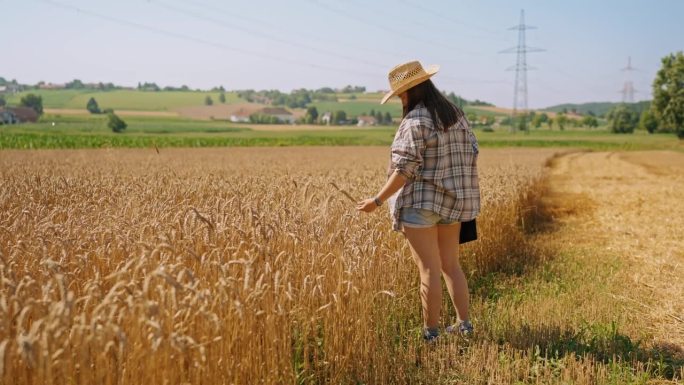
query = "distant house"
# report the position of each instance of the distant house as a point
(7, 117)
(52, 86)
(241, 116)
(366, 120)
(281, 114)
(14, 115)
(10, 89)
(326, 118)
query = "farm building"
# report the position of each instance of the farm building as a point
(52, 86)
(326, 118)
(10, 89)
(282, 114)
(14, 115)
(241, 116)
(7, 117)
(365, 120)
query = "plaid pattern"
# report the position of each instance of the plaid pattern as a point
(441, 168)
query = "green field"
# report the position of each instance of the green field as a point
(364, 106)
(124, 99)
(133, 100)
(355, 107)
(90, 131)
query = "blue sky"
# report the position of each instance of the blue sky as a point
(268, 44)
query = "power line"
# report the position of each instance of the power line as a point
(414, 22)
(195, 39)
(226, 47)
(272, 38)
(252, 32)
(494, 34)
(289, 29)
(574, 78)
(394, 31)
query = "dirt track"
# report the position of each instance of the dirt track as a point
(635, 209)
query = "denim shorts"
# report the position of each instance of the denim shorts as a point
(421, 218)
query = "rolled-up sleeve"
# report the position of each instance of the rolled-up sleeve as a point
(407, 148)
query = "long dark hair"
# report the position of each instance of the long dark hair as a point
(444, 113)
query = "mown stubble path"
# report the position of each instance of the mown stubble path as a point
(632, 206)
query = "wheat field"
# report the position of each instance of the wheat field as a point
(245, 266)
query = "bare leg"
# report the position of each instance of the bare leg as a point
(451, 268)
(425, 251)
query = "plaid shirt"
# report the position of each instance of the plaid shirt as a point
(441, 167)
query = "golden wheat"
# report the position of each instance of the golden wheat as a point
(237, 266)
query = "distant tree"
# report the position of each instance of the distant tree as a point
(378, 117)
(312, 112)
(457, 100)
(561, 121)
(34, 101)
(536, 121)
(668, 99)
(222, 97)
(75, 85)
(264, 119)
(388, 118)
(522, 123)
(3, 102)
(115, 123)
(478, 102)
(92, 106)
(350, 89)
(550, 122)
(148, 87)
(589, 121)
(472, 118)
(648, 122)
(339, 117)
(622, 119)
(372, 112)
(326, 90)
(208, 101)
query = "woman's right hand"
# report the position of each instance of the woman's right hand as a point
(366, 205)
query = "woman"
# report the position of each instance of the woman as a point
(433, 171)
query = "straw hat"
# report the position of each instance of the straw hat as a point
(407, 75)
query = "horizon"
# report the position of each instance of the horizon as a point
(331, 45)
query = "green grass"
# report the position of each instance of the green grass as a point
(51, 98)
(356, 107)
(124, 99)
(134, 100)
(88, 131)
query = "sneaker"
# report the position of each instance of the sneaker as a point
(464, 328)
(430, 334)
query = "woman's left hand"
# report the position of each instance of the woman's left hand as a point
(366, 205)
